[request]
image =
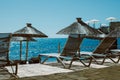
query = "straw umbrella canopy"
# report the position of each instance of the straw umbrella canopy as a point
(28, 32)
(80, 28)
(20, 39)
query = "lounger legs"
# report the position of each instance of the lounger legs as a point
(86, 65)
(74, 59)
(117, 61)
(109, 57)
(16, 68)
(61, 62)
(89, 63)
(102, 61)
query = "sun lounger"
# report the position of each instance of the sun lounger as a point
(4, 52)
(69, 52)
(103, 51)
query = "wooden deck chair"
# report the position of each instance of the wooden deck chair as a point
(4, 52)
(69, 52)
(103, 50)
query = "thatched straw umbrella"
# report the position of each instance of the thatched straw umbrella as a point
(80, 28)
(20, 39)
(29, 32)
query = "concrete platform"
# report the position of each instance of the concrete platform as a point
(28, 70)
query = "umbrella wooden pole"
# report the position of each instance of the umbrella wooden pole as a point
(20, 50)
(59, 47)
(79, 47)
(27, 49)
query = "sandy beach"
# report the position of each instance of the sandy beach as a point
(53, 71)
(108, 73)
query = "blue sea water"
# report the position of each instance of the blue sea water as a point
(46, 45)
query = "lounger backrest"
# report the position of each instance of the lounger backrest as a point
(4, 46)
(72, 46)
(105, 45)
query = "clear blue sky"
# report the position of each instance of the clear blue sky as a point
(50, 16)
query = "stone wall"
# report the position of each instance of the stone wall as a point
(114, 25)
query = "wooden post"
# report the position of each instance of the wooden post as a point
(79, 46)
(27, 49)
(59, 47)
(20, 50)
